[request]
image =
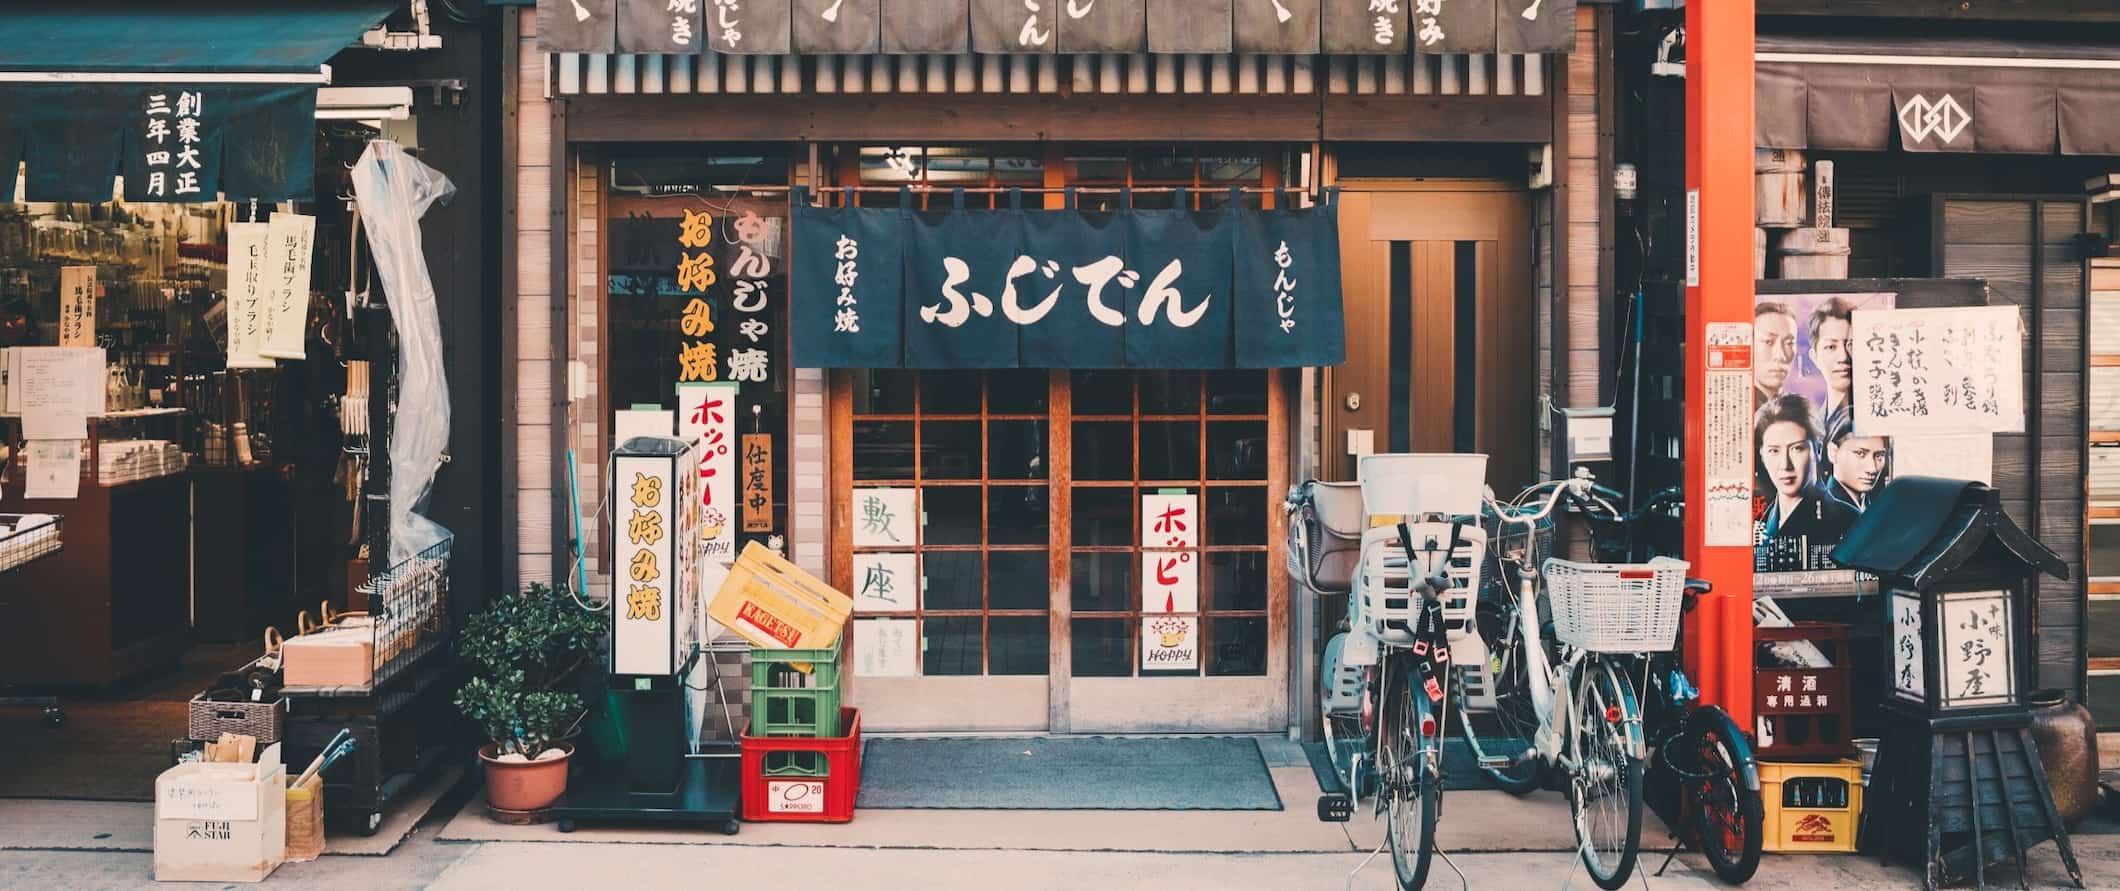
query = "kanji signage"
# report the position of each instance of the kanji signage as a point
(289, 245)
(656, 509)
(1170, 581)
(890, 287)
(756, 468)
(1948, 370)
(77, 306)
(886, 582)
(248, 246)
(706, 416)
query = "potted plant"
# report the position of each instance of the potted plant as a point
(526, 651)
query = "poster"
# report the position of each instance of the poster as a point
(245, 306)
(289, 245)
(1170, 643)
(885, 648)
(706, 415)
(886, 518)
(886, 582)
(1909, 680)
(1977, 663)
(1952, 370)
(1813, 476)
(77, 306)
(54, 469)
(1728, 384)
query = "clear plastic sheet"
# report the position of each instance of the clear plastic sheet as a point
(394, 190)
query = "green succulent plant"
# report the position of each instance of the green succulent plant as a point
(527, 650)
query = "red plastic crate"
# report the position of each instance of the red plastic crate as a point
(789, 779)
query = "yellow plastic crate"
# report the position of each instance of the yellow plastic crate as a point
(1811, 807)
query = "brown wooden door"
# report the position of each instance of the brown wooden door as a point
(1437, 281)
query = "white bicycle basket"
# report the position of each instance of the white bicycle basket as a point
(1617, 607)
(1388, 600)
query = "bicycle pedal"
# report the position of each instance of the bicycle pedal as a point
(1335, 808)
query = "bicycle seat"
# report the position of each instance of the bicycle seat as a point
(1332, 535)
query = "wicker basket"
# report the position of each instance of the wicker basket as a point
(262, 720)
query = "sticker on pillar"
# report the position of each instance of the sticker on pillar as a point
(886, 648)
(706, 415)
(1170, 643)
(886, 583)
(886, 518)
(1727, 439)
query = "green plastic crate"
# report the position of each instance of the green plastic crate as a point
(786, 700)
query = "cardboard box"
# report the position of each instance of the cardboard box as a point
(339, 656)
(774, 604)
(221, 822)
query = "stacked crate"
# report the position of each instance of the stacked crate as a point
(802, 750)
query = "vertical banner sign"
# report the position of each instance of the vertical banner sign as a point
(173, 156)
(838, 26)
(1288, 311)
(1729, 435)
(1170, 581)
(886, 518)
(1364, 26)
(1909, 679)
(1275, 26)
(857, 300)
(576, 26)
(757, 241)
(1952, 370)
(886, 583)
(757, 470)
(659, 26)
(1535, 26)
(1101, 26)
(1181, 320)
(645, 488)
(706, 415)
(290, 241)
(246, 294)
(77, 306)
(696, 360)
(1014, 26)
(1454, 26)
(886, 648)
(1191, 26)
(926, 26)
(748, 27)
(958, 264)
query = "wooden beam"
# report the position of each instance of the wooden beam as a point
(1966, 10)
(944, 118)
(1413, 118)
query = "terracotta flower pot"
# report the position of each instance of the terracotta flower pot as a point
(528, 785)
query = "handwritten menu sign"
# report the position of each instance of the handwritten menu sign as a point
(756, 468)
(1950, 370)
(77, 306)
(885, 518)
(1170, 581)
(706, 415)
(886, 648)
(886, 583)
(290, 239)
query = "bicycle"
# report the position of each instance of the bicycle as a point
(1385, 679)
(1569, 708)
(1699, 749)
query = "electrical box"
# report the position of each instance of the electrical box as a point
(1587, 434)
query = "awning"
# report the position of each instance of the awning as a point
(1936, 95)
(187, 99)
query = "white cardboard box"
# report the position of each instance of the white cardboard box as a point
(221, 822)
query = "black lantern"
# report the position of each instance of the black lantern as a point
(1959, 578)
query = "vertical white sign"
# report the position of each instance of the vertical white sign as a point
(1909, 678)
(1951, 370)
(77, 306)
(1728, 435)
(1170, 581)
(706, 414)
(1692, 238)
(886, 583)
(246, 294)
(643, 491)
(1978, 668)
(290, 242)
(1170, 521)
(886, 518)
(886, 648)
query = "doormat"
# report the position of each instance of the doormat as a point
(1461, 768)
(1067, 774)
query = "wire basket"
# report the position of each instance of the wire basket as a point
(408, 619)
(1617, 607)
(26, 537)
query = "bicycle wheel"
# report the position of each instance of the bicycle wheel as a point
(1605, 788)
(1509, 730)
(1727, 816)
(1410, 785)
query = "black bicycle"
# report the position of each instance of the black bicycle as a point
(1699, 750)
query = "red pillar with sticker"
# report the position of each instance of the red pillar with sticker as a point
(1718, 447)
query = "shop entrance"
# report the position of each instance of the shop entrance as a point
(1440, 342)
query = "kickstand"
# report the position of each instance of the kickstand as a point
(1463, 883)
(1676, 846)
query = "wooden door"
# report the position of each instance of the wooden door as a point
(1437, 282)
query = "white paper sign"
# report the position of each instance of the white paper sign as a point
(1170, 521)
(1969, 456)
(886, 518)
(1909, 678)
(795, 796)
(706, 414)
(54, 469)
(1170, 643)
(1952, 370)
(1692, 238)
(886, 583)
(290, 242)
(1976, 657)
(1728, 434)
(886, 648)
(77, 306)
(1170, 582)
(246, 294)
(56, 389)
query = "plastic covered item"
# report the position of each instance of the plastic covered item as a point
(394, 190)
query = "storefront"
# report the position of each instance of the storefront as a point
(195, 319)
(1050, 518)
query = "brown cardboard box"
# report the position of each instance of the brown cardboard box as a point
(221, 822)
(338, 656)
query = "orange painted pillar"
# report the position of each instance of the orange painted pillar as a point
(1719, 222)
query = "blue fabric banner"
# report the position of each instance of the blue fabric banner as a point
(1008, 288)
